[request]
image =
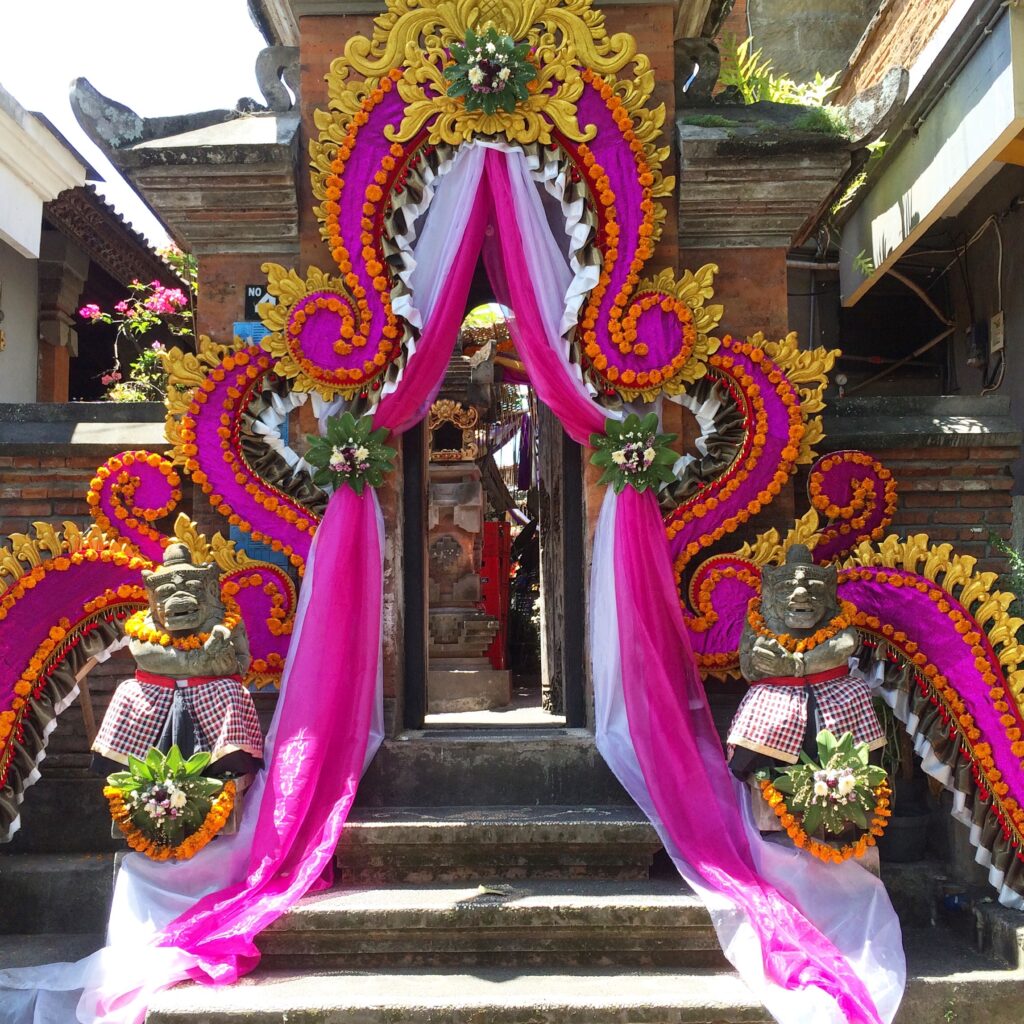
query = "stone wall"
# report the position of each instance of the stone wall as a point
(951, 457)
(801, 37)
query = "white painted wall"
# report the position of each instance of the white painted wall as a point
(20, 303)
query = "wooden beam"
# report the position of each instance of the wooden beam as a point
(690, 18)
(1014, 153)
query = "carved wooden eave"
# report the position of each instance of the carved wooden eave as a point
(222, 181)
(84, 217)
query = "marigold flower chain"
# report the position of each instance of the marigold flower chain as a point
(945, 697)
(796, 645)
(823, 851)
(626, 311)
(352, 334)
(706, 615)
(214, 822)
(137, 629)
(121, 495)
(864, 503)
(250, 365)
(719, 496)
(62, 637)
(278, 621)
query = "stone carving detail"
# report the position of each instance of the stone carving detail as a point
(274, 65)
(192, 652)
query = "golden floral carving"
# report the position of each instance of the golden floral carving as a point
(565, 37)
(447, 411)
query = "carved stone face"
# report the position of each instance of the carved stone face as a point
(183, 598)
(798, 595)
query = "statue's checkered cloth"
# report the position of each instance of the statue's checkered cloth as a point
(772, 718)
(222, 713)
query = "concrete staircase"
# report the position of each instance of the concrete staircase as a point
(482, 895)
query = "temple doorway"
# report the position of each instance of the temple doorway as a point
(496, 526)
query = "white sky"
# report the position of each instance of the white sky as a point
(174, 57)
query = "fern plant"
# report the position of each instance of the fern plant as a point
(751, 74)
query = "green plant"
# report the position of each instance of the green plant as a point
(351, 452)
(633, 453)
(166, 797)
(1013, 579)
(751, 74)
(864, 263)
(149, 307)
(146, 380)
(821, 121)
(837, 790)
(710, 121)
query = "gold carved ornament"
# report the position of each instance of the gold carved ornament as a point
(447, 411)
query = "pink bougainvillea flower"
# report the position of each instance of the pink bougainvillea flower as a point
(90, 312)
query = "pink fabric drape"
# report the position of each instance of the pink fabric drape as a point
(670, 723)
(681, 758)
(322, 729)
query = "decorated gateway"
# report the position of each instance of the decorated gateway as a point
(523, 135)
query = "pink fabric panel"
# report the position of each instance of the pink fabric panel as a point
(579, 416)
(319, 750)
(683, 765)
(426, 368)
(323, 727)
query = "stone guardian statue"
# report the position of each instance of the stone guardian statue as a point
(191, 653)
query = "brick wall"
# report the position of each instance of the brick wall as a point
(899, 34)
(959, 495)
(43, 487)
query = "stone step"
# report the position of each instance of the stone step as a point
(946, 982)
(491, 995)
(537, 924)
(488, 767)
(419, 845)
(42, 893)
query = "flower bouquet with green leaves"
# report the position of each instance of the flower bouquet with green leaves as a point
(490, 72)
(164, 805)
(351, 452)
(838, 790)
(633, 453)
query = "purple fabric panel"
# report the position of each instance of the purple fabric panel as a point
(838, 484)
(909, 611)
(57, 595)
(612, 152)
(319, 749)
(729, 599)
(683, 764)
(371, 146)
(425, 369)
(153, 491)
(221, 475)
(579, 417)
(753, 486)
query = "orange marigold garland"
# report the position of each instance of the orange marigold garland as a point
(165, 807)
(792, 823)
(792, 644)
(137, 629)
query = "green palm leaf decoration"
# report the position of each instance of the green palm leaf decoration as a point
(351, 452)
(633, 453)
(490, 72)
